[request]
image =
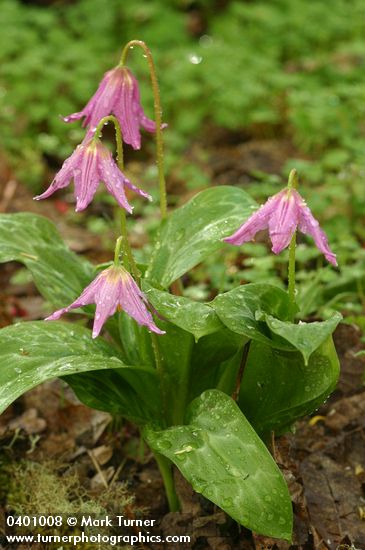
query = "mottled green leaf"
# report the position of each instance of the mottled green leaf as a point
(305, 337)
(214, 362)
(196, 230)
(130, 391)
(243, 311)
(175, 349)
(223, 458)
(195, 317)
(59, 274)
(33, 352)
(278, 387)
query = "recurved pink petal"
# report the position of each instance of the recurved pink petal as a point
(284, 220)
(96, 105)
(73, 116)
(258, 221)
(132, 187)
(309, 225)
(62, 178)
(86, 176)
(86, 297)
(106, 300)
(147, 123)
(125, 111)
(113, 179)
(133, 301)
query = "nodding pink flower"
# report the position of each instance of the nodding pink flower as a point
(118, 94)
(89, 164)
(114, 288)
(282, 214)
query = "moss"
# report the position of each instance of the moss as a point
(52, 489)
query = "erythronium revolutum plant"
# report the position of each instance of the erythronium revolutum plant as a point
(206, 383)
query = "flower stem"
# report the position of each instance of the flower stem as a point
(245, 352)
(127, 248)
(118, 246)
(128, 256)
(291, 274)
(293, 179)
(165, 467)
(158, 118)
(292, 184)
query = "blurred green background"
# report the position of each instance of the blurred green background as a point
(286, 72)
(292, 67)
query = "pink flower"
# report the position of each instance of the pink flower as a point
(112, 289)
(89, 164)
(118, 94)
(282, 214)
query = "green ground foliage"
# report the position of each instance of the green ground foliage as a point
(296, 67)
(280, 69)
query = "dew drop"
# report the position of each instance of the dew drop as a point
(195, 59)
(164, 444)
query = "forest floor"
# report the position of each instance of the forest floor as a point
(53, 445)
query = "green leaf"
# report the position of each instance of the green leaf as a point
(195, 317)
(215, 361)
(59, 274)
(31, 353)
(223, 458)
(242, 310)
(175, 348)
(194, 231)
(278, 387)
(131, 392)
(305, 337)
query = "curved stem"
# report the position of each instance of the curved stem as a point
(128, 256)
(118, 136)
(118, 246)
(293, 181)
(158, 118)
(127, 247)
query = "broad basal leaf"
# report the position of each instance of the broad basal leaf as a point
(223, 458)
(305, 337)
(131, 392)
(196, 230)
(60, 275)
(261, 312)
(31, 353)
(278, 387)
(175, 350)
(215, 360)
(243, 310)
(195, 317)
